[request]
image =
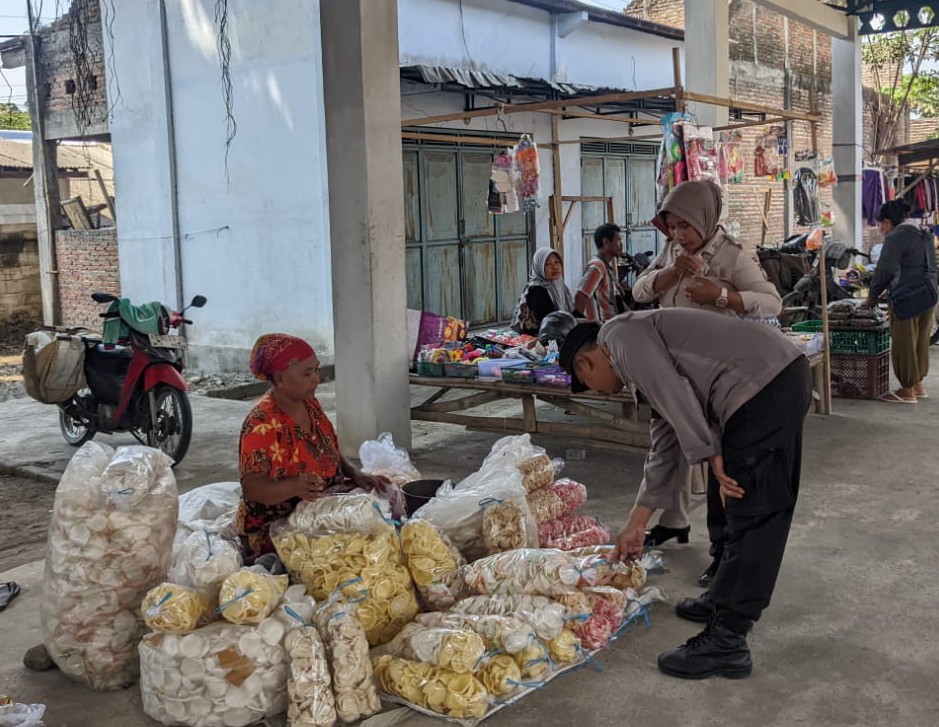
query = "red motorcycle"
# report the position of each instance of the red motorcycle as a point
(134, 386)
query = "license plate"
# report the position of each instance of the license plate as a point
(168, 341)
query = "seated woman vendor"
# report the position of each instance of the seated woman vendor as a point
(545, 293)
(288, 448)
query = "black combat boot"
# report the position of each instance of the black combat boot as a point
(716, 651)
(698, 609)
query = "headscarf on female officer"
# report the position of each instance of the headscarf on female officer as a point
(698, 203)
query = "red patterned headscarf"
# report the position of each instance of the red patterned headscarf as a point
(275, 352)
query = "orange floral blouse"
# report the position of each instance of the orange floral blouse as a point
(274, 445)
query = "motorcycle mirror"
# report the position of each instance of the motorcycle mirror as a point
(103, 297)
(198, 301)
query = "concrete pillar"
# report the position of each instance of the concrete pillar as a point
(366, 212)
(847, 137)
(707, 56)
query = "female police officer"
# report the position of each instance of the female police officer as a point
(726, 392)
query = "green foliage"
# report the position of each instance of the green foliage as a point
(923, 96)
(12, 118)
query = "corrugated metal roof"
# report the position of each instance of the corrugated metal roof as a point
(470, 78)
(18, 156)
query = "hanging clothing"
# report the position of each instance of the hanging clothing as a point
(873, 194)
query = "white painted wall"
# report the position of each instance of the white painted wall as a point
(507, 37)
(256, 244)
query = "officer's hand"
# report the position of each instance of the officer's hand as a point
(703, 291)
(729, 486)
(688, 264)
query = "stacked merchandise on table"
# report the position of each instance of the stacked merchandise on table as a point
(859, 338)
(494, 355)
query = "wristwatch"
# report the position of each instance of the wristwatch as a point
(721, 301)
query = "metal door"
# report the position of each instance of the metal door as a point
(461, 261)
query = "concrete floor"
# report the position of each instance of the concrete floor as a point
(852, 636)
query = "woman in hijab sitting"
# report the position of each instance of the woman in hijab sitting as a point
(544, 294)
(289, 451)
(702, 266)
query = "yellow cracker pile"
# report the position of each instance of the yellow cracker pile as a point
(564, 649)
(459, 650)
(173, 609)
(248, 596)
(460, 696)
(537, 472)
(433, 562)
(366, 566)
(501, 675)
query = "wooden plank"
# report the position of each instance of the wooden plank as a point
(587, 411)
(434, 397)
(826, 342)
(745, 106)
(588, 199)
(748, 124)
(610, 98)
(455, 139)
(107, 198)
(74, 209)
(520, 389)
(575, 114)
(678, 91)
(467, 402)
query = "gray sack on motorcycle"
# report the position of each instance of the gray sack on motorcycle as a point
(53, 370)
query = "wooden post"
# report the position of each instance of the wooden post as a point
(813, 109)
(826, 366)
(767, 203)
(45, 183)
(557, 239)
(107, 198)
(679, 89)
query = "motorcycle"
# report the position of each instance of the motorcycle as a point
(135, 386)
(628, 267)
(804, 301)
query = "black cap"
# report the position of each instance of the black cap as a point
(579, 335)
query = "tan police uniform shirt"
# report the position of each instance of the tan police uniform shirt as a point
(725, 263)
(695, 370)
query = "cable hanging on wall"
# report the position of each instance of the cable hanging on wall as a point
(224, 59)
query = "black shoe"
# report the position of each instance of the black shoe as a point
(704, 580)
(661, 534)
(716, 651)
(698, 609)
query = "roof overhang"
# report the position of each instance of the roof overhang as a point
(609, 17)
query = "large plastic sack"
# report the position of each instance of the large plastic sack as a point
(458, 649)
(546, 617)
(533, 463)
(506, 634)
(353, 679)
(347, 542)
(203, 560)
(223, 674)
(458, 696)
(53, 367)
(22, 715)
(433, 562)
(312, 703)
(210, 506)
(458, 510)
(543, 572)
(174, 609)
(249, 595)
(380, 457)
(571, 532)
(110, 541)
(557, 500)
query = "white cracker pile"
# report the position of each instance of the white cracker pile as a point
(110, 542)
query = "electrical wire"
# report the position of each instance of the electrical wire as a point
(224, 59)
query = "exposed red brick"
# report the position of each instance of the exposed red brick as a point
(87, 262)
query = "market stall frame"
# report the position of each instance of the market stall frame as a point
(606, 430)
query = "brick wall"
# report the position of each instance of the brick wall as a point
(20, 292)
(87, 263)
(769, 53)
(69, 79)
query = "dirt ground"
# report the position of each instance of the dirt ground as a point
(24, 519)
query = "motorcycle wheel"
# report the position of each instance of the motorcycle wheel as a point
(172, 431)
(73, 431)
